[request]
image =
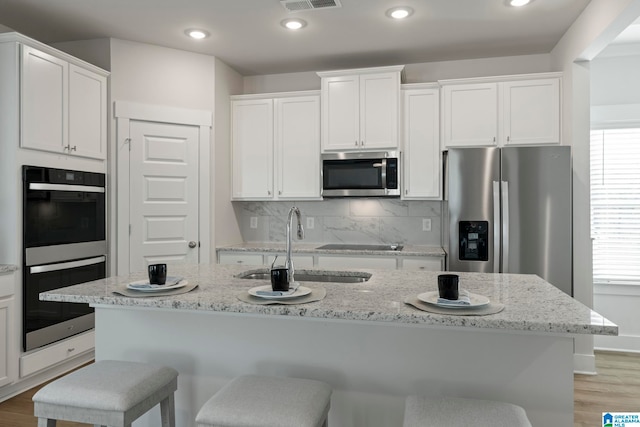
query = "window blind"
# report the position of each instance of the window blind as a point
(615, 205)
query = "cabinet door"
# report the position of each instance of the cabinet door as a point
(87, 113)
(350, 262)
(299, 261)
(470, 115)
(297, 147)
(7, 369)
(379, 110)
(44, 101)
(422, 165)
(424, 264)
(252, 149)
(531, 112)
(240, 258)
(340, 113)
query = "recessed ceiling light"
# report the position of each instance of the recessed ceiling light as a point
(196, 33)
(294, 23)
(399, 12)
(518, 3)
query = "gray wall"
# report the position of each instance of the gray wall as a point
(366, 221)
(414, 73)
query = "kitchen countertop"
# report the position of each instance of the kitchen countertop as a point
(7, 268)
(531, 304)
(312, 248)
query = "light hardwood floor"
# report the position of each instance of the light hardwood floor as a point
(616, 388)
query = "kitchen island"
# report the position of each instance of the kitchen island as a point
(362, 339)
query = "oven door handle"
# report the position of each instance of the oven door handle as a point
(66, 265)
(64, 187)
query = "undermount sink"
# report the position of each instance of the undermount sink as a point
(314, 276)
(355, 247)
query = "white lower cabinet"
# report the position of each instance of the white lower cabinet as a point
(299, 261)
(56, 353)
(426, 264)
(344, 262)
(7, 371)
(237, 258)
(335, 261)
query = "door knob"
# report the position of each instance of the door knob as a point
(192, 244)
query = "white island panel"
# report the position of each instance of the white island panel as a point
(371, 366)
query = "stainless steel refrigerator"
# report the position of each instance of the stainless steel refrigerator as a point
(508, 210)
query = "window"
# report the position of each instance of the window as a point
(615, 205)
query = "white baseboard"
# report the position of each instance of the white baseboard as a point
(626, 343)
(584, 364)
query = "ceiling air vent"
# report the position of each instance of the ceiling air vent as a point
(298, 5)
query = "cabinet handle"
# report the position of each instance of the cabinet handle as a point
(71, 349)
(494, 139)
(280, 193)
(362, 143)
(73, 148)
(508, 139)
(269, 192)
(356, 143)
(406, 191)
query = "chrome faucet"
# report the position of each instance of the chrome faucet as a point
(289, 262)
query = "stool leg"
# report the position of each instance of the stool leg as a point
(168, 412)
(46, 422)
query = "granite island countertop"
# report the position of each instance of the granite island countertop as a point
(312, 248)
(531, 304)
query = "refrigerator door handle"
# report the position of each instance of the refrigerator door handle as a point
(505, 226)
(497, 248)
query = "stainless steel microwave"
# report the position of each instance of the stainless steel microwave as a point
(356, 174)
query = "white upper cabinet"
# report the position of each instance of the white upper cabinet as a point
(276, 147)
(87, 113)
(524, 110)
(531, 112)
(360, 109)
(470, 113)
(421, 143)
(62, 106)
(252, 149)
(44, 96)
(297, 137)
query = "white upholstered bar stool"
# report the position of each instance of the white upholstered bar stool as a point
(459, 412)
(108, 393)
(259, 401)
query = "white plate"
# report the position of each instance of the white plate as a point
(300, 292)
(145, 286)
(432, 298)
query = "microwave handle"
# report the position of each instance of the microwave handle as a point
(66, 265)
(383, 173)
(64, 187)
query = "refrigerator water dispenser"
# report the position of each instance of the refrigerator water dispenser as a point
(473, 240)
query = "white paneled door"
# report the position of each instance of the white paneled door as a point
(163, 208)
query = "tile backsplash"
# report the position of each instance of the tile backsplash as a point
(363, 221)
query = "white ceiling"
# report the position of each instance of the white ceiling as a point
(247, 35)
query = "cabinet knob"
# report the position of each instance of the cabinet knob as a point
(362, 143)
(192, 244)
(269, 192)
(280, 193)
(508, 138)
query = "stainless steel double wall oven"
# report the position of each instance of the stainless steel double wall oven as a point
(64, 235)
